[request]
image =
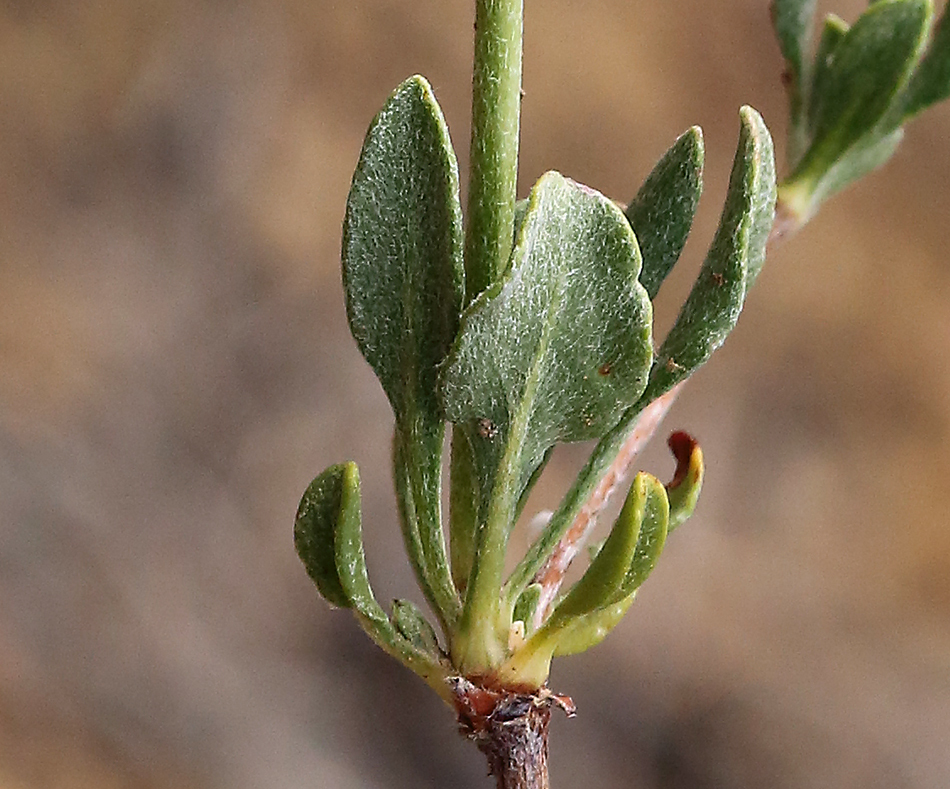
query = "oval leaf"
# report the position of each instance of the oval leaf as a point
(555, 351)
(558, 348)
(734, 260)
(661, 214)
(402, 248)
(404, 283)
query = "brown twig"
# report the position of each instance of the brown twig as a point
(511, 728)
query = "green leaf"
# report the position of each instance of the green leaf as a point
(404, 282)
(802, 197)
(736, 255)
(402, 248)
(661, 214)
(793, 21)
(606, 574)
(412, 626)
(931, 80)
(596, 603)
(683, 490)
(526, 605)
(417, 470)
(463, 510)
(734, 260)
(553, 352)
(589, 630)
(328, 539)
(869, 67)
(558, 348)
(653, 530)
(330, 498)
(833, 32)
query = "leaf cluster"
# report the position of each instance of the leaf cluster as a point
(851, 94)
(559, 348)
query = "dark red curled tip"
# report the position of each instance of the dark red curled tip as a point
(681, 444)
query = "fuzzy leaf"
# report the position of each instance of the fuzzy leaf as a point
(415, 628)
(734, 260)
(867, 70)
(330, 498)
(417, 472)
(559, 347)
(793, 20)
(553, 352)
(931, 81)
(402, 248)
(328, 539)
(403, 278)
(662, 212)
(868, 155)
(833, 32)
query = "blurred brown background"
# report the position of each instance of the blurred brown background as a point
(176, 367)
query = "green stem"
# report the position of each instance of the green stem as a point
(496, 111)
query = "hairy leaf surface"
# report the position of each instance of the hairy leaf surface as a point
(662, 212)
(403, 278)
(734, 260)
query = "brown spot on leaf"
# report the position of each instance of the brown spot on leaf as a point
(487, 428)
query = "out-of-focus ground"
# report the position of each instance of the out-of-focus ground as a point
(176, 368)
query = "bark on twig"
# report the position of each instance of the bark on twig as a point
(511, 729)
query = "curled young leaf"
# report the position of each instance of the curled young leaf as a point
(328, 539)
(683, 490)
(662, 212)
(598, 600)
(330, 498)
(605, 576)
(589, 630)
